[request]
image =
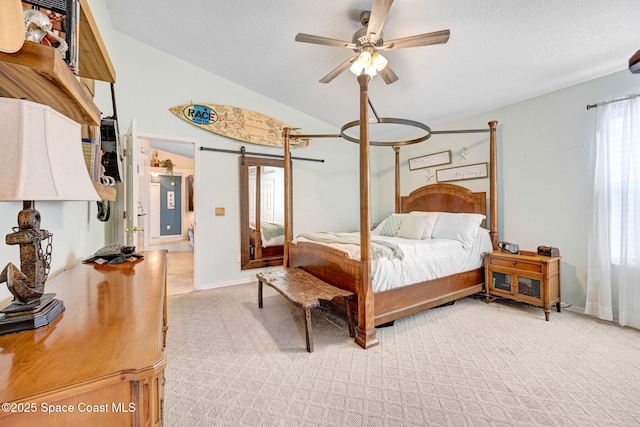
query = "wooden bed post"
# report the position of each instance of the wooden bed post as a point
(397, 150)
(493, 185)
(288, 206)
(366, 331)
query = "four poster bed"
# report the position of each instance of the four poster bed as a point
(336, 267)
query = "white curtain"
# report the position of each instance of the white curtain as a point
(614, 235)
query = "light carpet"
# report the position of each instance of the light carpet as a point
(230, 363)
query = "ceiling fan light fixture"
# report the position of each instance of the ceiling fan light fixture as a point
(357, 67)
(371, 70)
(378, 61)
(365, 58)
(367, 41)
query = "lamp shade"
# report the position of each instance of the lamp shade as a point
(42, 157)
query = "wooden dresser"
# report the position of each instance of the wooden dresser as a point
(101, 362)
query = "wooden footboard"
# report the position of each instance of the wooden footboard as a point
(334, 267)
(401, 302)
(328, 264)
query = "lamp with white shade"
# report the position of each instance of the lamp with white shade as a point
(42, 160)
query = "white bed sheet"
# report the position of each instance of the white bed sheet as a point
(274, 241)
(423, 259)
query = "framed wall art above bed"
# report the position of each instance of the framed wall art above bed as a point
(435, 159)
(460, 173)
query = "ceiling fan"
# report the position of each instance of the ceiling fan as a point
(367, 42)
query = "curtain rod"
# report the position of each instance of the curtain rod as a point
(590, 106)
(242, 152)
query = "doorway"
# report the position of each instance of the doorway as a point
(165, 201)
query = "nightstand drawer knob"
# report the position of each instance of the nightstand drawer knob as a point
(513, 263)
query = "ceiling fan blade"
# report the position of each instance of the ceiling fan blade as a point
(437, 37)
(388, 75)
(325, 41)
(339, 69)
(379, 13)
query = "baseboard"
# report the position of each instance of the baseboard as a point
(208, 286)
(579, 310)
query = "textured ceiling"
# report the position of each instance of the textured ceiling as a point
(499, 52)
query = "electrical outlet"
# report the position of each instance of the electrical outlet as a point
(168, 227)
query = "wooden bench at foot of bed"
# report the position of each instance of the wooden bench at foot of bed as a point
(305, 291)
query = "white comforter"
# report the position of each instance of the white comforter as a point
(423, 259)
(276, 241)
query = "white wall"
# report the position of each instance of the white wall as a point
(149, 82)
(77, 234)
(543, 170)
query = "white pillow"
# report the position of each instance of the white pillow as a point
(413, 227)
(378, 227)
(428, 229)
(391, 225)
(461, 227)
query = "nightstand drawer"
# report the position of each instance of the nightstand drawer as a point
(519, 265)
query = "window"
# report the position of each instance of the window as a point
(623, 168)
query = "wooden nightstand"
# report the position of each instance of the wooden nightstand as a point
(526, 277)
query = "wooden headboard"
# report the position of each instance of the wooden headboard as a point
(444, 198)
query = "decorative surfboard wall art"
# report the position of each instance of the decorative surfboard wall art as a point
(237, 123)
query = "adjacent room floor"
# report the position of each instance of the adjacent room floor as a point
(179, 272)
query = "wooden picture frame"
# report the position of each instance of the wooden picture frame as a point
(435, 159)
(459, 173)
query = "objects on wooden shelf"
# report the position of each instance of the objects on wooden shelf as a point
(113, 155)
(37, 25)
(54, 23)
(39, 73)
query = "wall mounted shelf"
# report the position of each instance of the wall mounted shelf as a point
(38, 73)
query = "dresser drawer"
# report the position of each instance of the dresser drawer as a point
(520, 265)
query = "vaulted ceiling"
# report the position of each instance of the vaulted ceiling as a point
(499, 52)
